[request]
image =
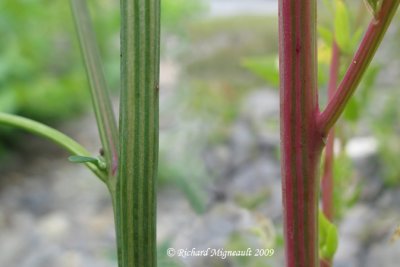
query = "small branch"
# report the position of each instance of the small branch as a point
(327, 183)
(366, 51)
(105, 118)
(327, 178)
(53, 135)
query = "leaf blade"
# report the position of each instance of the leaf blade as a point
(266, 68)
(342, 25)
(328, 237)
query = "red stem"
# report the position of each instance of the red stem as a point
(360, 62)
(327, 178)
(302, 126)
(327, 182)
(325, 263)
(301, 142)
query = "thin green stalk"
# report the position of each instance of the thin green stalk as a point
(49, 133)
(135, 195)
(106, 122)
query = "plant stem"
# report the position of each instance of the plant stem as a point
(327, 178)
(301, 142)
(105, 118)
(53, 135)
(135, 196)
(327, 182)
(366, 51)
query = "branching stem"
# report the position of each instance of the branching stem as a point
(55, 136)
(366, 51)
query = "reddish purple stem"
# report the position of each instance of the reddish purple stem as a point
(301, 143)
(327, 182)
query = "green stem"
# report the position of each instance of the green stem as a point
(53, 135)
(98, 87)
(135, 196)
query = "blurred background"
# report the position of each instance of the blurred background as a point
(219, 180)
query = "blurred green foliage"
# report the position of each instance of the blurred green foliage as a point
(41, 73)
(220, 44)
(209, 99)
(265, 67)
(187, 176)
(216, 81)
(346, 190)
(175, 14)
(40, 76)
(387, 130)
(41, 70)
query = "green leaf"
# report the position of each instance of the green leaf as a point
(328, 238)
(354, 108)
(342, 25)
(266, 68)
(325, 34)
(368, 82)
(332, 242)
(351, 112)
(53, 135)
(355, 39)
(105, 118)
(323, 224)
(84, 159)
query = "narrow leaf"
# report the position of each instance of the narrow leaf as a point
(266, 68)
(331, 245)
(328, 238)
(342, 25)
(355, 39)
(84, 159)
(323, 224)
(51, 134)
(325, 34)
(351, 112)
(101, 100)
